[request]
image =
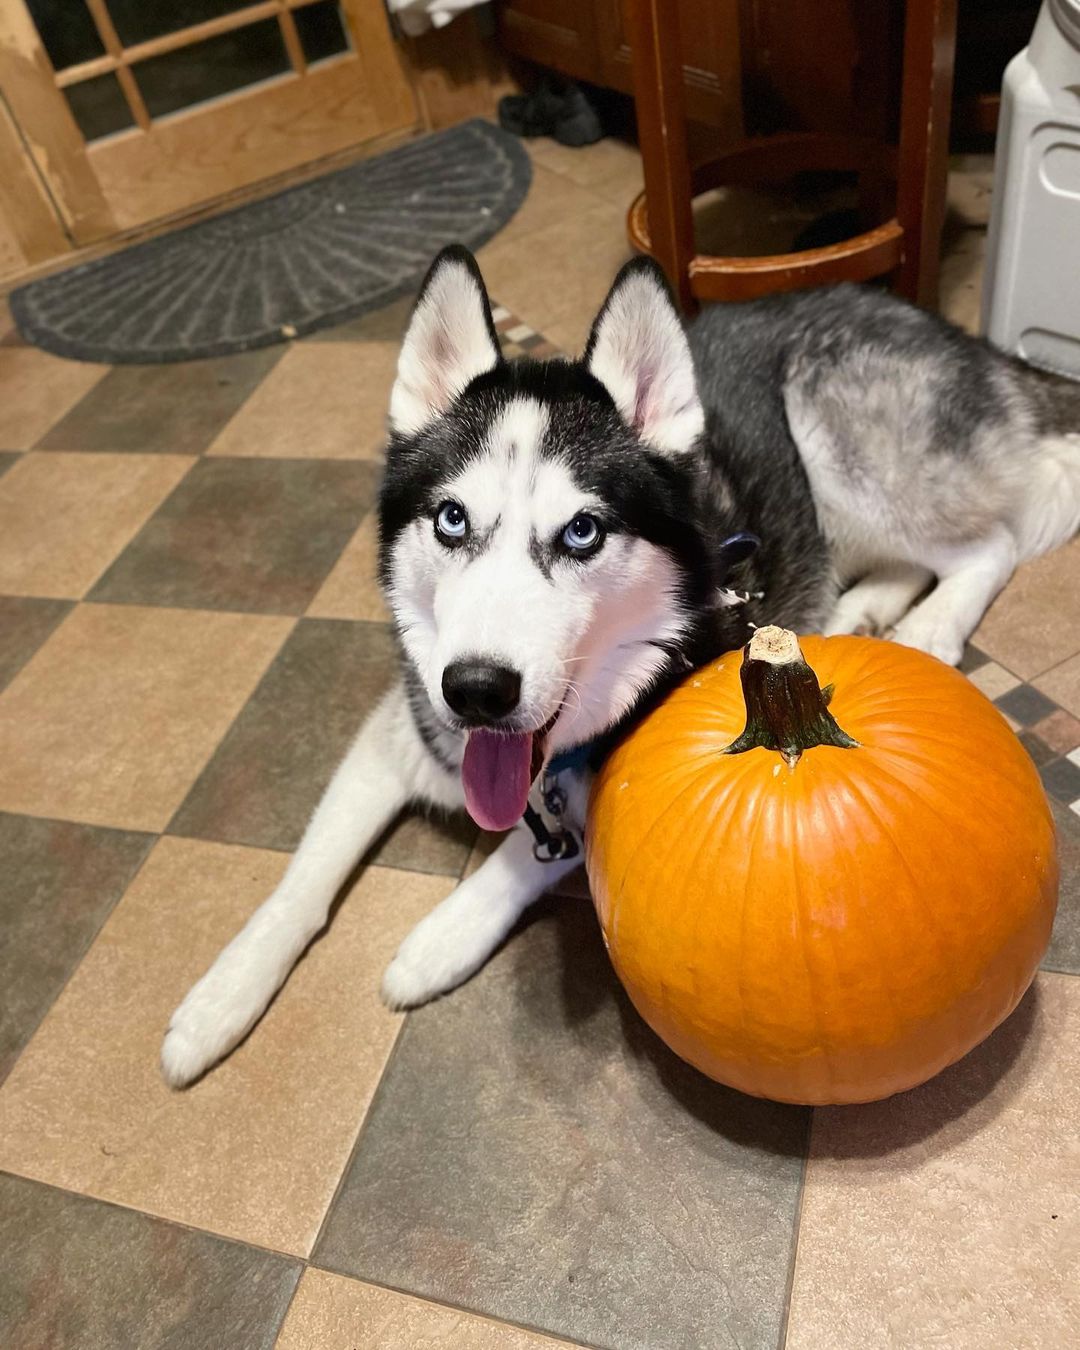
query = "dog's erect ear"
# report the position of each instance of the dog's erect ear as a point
(449, 341)
(637, 349)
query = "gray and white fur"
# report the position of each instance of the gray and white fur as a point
(555, 548)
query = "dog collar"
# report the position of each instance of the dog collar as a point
(558, 843)
(575, 758)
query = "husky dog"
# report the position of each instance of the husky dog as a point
(560, 542)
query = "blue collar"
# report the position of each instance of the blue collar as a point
(577, 757)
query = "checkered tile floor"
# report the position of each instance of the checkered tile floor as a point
(189, 634)
(1050, 734)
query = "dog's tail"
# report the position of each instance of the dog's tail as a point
(1051, 513)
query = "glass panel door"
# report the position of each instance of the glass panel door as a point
(172, 102)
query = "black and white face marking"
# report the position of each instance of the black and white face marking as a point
(537, 520)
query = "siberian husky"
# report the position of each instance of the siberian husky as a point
(560, 542)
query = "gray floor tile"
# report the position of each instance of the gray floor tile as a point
(60, 881)
(267, 775)
(1064, 953)
(534, 1153)
(25, 623)
(175, 409)
(1061, 779)
(258, 535)
(78, 1274)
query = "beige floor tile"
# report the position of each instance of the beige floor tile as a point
(64, 518)
(1034, 623)
(113, 718)
(559, 272)
(569, 335)
(329, 1312)
(36, 390)
(552, 198)
(993, 680)
(610, 167)
(948, 1216)
(960, 284)
(7, 322)
(253, 1151)
(326, 400)
(351, 591)
(1062, 684)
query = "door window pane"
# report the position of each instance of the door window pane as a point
(99, 106)
(209, 69)
(138, 20)
(67, 31)
(322, 33)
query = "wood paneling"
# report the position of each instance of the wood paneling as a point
(556, 33)
(586, 39)
(711, 59)
(43, 118)
(30, 230)
(457, 72)
(821, 65)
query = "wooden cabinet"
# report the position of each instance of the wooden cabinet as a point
(750, 66)
(586, 40)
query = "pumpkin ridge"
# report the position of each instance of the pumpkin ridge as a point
(800, 943)
(873, 810)
(672, 837)
(882, 755)
(870, 930)
(748, 873)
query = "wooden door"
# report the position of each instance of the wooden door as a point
(139, 109)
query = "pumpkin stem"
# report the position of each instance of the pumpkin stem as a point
(786, 709)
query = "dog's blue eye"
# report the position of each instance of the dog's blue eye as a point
(451, 522)
(582, 534)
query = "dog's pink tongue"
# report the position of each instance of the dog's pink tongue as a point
(496, 774)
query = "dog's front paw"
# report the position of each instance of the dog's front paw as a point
(405, 985)
(424, 968)
(192, 1043)
(935, 635)
(215, 1016)
(444, 949)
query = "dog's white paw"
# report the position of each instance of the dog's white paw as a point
(444, 949)
(214, 1017)
(855, 616)
(936, 635)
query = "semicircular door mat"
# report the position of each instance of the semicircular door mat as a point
(310, 257)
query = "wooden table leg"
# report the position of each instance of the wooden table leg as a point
(653, 34)
(929, 52)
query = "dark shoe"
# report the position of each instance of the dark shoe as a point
(552, 109)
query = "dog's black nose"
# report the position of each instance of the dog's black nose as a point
(480, 691)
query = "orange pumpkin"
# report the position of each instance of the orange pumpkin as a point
(823, 899)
